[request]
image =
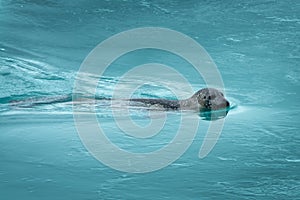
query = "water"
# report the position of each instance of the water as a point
(255, 45)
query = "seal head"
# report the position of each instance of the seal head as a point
(210, 99)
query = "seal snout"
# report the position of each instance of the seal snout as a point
(217, 103)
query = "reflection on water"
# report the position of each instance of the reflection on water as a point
(213, 115)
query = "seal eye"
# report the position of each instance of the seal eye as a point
(204, 97)
(209, 97)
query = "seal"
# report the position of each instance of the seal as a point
(206, 99)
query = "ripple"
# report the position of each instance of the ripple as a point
(293, 160)
(226, 159)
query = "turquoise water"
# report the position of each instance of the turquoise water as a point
(255, 45)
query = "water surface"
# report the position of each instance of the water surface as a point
(255, 45)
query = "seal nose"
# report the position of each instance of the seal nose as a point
(227, 104)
